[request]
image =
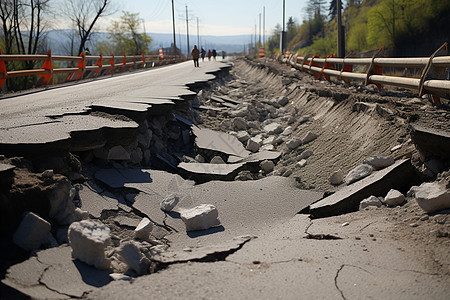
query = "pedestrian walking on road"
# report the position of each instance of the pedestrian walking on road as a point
(223, 55)
(203, 53)
(209, 54)
(195, 55)
(214, 54)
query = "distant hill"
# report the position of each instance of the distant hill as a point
(59, 41)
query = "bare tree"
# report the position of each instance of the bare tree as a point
(85, 14)
(22, 24)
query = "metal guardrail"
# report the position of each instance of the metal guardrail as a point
(114, 63)
(433, 80)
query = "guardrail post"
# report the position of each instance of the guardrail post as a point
(374, 69)
(327, 65)
(49, 67)
(432, 72)
(143, 60)
(99, 63)
(313, 64)
(345, 68)
(3, 73)
(81, 65)
(124, 62)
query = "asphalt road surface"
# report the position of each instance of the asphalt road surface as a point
(50, 115)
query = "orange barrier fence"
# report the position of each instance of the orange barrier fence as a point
(84, 64)
(434, 79)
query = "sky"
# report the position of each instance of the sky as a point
(219, 18)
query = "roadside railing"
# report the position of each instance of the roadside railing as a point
(91, 64)
(434, 78)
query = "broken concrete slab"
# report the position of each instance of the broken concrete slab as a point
(53, 274)
(205, 172)
(431, 142)
(201, 253)
(400, 176)
(95, 203)
(255, 157)
(219, 142)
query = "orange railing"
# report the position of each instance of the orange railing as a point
(84, 63)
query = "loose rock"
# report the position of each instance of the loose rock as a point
(431, 196)
(379, 161)
(337, 177)
(371, 201)
(217, 160)
(293, 143)
(243, 136)
(273, 128)
(32, 232)
(134, 258)
(267, 166)
(252, 145)
(394, 198)
(309, 137)
(169, 203)
(200, 217)
(118, 153)
(143, 229)
(358, 173)
(239, 124)
(88, 240)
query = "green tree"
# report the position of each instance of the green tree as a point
(125, 36)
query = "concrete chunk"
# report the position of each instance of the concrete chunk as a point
(394, 198)
(398, 176)
(134, 258)
(88, 240)
(379, 161)
(169, 203)
(432, 196)
(200, 217)
(142, 231)
(371, 201)
(358, 173)
(32, 232)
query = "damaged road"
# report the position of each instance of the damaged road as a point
(246, 152)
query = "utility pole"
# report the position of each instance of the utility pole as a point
(198, 35)
(283, 33)
(341, 34)
(173, 24)
(187, 31)
(256, 43)
(259, 40)
(264, 26)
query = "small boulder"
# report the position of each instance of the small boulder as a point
(200, 158)
(88, 240)
(32, 232)
(371, 201)
(243, 136)
(134, 258)
(239, 123)
(287, 131)
(379, 161)
(267, 166)
(169, 203)
(200, 217)
(293, 143)
(394, 198)
(303, 119)
(273, 128)
(305, 154)
(301, 163)
(431, 196)
(309, 137)
(217, 160)
(282, 101)
(358, 173)
(81, 214)
(337, 177)
(142, 231)
(118, 153)
(252, 145)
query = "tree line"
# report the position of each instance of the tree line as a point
(403, 27)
